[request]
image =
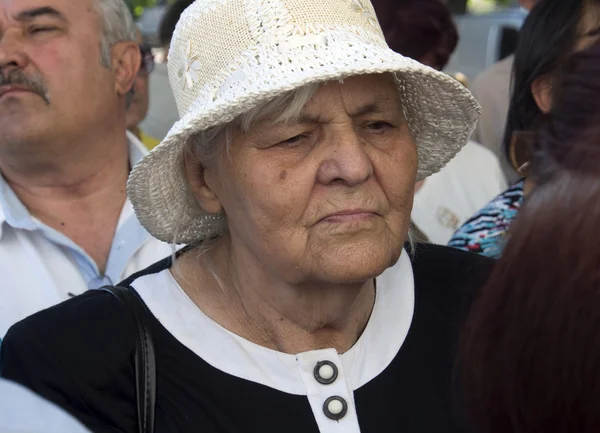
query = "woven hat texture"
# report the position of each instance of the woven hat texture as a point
(228, 56)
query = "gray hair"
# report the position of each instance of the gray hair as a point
(117, 26)
(207, 145)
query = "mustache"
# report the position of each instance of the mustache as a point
(33, 83)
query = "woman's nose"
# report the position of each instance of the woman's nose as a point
(345, 160)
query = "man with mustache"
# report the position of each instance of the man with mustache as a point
(66, 70)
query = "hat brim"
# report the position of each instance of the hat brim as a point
(441, 114)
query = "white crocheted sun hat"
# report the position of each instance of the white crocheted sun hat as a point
(228, 56)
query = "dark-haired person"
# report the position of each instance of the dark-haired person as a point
(492, 89)
(530, 358)
(551, 33)
(425, 31)
(169, 21)
(420, 29)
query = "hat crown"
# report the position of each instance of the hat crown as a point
(215, 41)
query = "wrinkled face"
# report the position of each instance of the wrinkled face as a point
(328, 197)
(51, 78)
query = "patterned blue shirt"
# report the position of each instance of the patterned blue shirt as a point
(485, 232)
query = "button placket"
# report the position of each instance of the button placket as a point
(328, 391)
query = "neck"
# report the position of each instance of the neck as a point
(290, 318)
(76, 187)
(528, 186)
(68, 167)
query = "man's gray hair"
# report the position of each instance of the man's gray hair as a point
(117, 26)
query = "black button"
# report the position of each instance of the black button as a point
(335, 408)
(325, 372)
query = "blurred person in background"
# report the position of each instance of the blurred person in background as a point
(530, 358)
(169, 21)
(138, 107)
(66, 224)
(551, 33)
(422, 30)
(425, 31)
(492, 89)
(163, 113)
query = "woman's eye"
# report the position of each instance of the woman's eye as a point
(293, 141)
(379, 126)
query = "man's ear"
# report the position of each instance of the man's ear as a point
(541, 89)
(196, 178)
(126, 61)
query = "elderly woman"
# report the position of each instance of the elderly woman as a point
(290, 176)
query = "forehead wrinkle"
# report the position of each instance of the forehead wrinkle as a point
(379, 106)
(383, 105)
(377, 103)
(304, 118)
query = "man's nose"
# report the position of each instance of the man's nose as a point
(12, 55)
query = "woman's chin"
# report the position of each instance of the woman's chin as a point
(354, 262)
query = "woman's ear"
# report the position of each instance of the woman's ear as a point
(195, 176)
(541, 89)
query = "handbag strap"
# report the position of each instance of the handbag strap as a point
(145, 361)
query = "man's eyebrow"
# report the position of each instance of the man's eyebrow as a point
(31, 14)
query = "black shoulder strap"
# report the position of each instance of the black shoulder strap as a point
(145, 362)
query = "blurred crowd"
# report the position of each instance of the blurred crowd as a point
(406, 254)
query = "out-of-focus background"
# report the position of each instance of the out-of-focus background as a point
(488, 33)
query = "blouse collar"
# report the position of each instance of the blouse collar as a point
(376, 348)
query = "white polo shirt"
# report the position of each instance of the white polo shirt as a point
(450, 197)
(40, 267)
(22, 411)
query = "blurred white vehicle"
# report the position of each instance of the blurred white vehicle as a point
(484, 40)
